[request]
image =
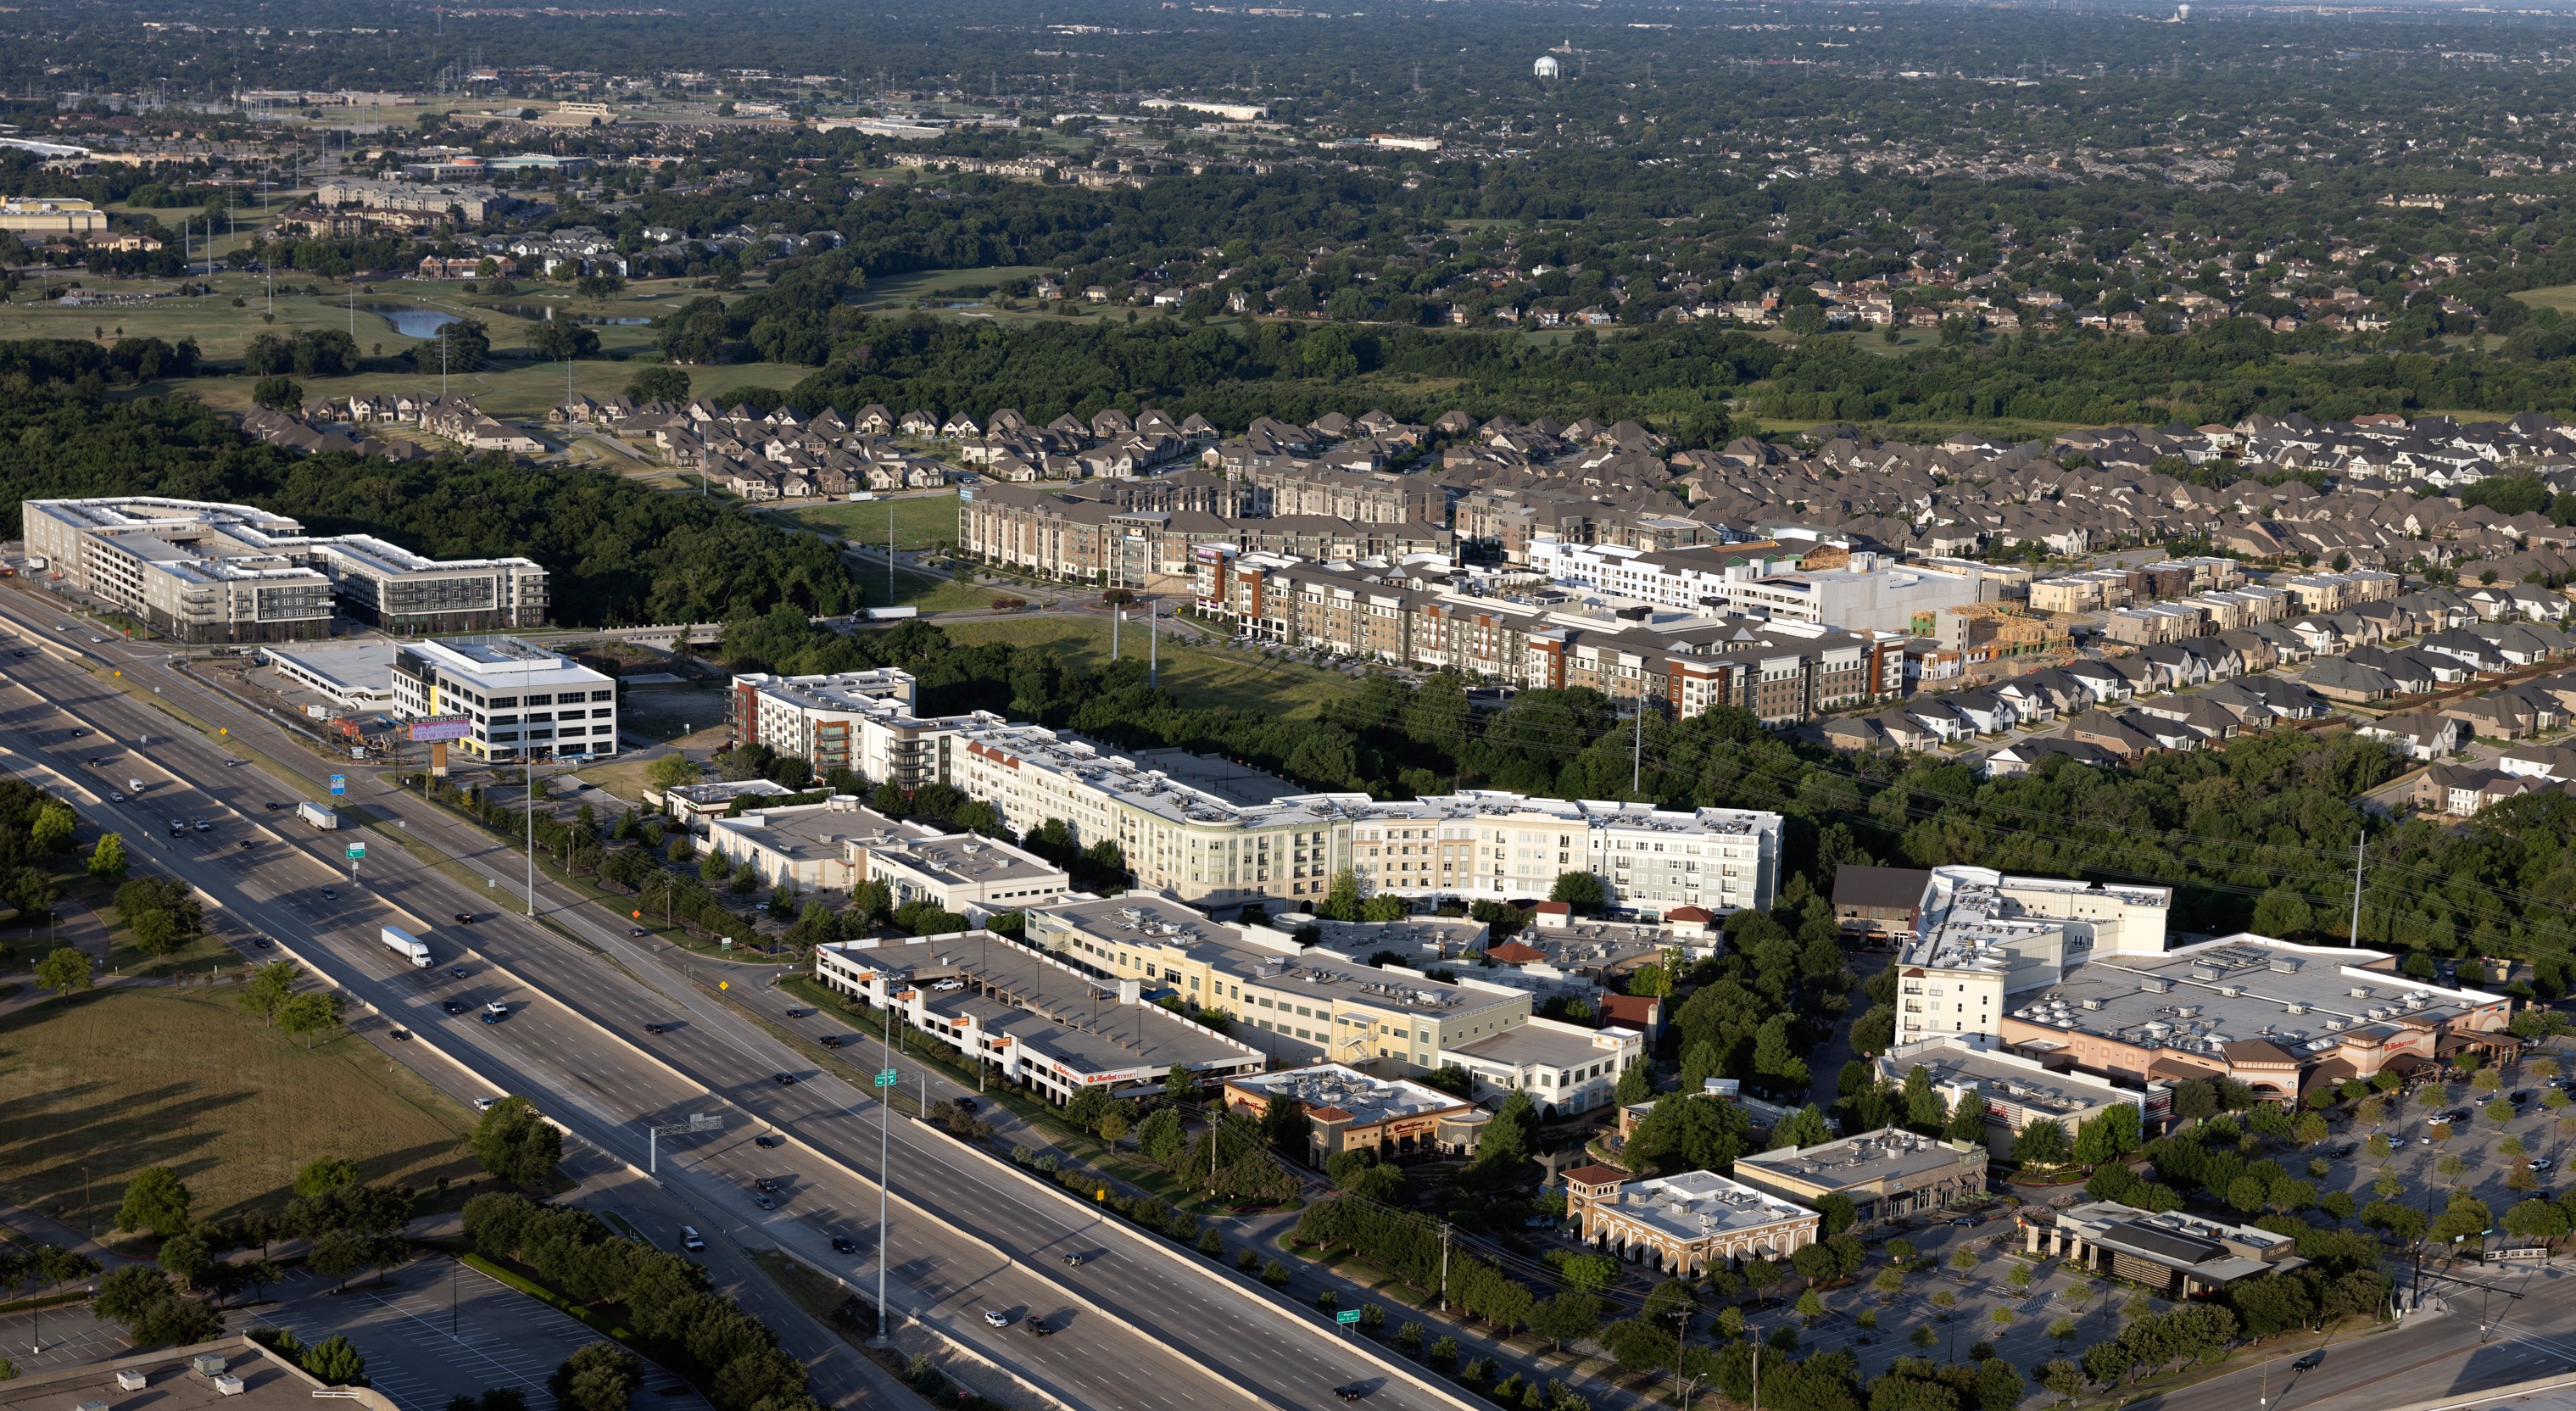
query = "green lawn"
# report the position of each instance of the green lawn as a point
(920, 522)
(2561, 297)
(103, 1084)
(946, 283)
(1199, 675)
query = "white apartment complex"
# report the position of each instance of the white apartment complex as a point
(1868, 593)
(861, 721)
(519, 701)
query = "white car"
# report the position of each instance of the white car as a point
(486, 1104)
(689, 1239)
(996, 1318)
(950, 985)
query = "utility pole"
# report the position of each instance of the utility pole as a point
(885, 1072)
(532, 834)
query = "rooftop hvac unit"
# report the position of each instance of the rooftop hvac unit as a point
(207, 1363)
(2285, 965)
(2294, 1008)
(228, 1385)
(131, 1379)
(2335, 1025)
(2231, 991)
(2093, 1002)
(2156, 984)
(2359, 992)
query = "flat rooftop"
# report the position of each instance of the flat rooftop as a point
(1697, 1204)
(1061, 1015)
(1366, 1101)
(815, 831)
(968, 860)
(2037, 1090)
(170, 1383)
(2304, 1000)
(506, 663)
(1144, 919)
(349, 667)
(1888, 1153)
(1528, 1043)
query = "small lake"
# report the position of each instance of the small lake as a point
(412, 321)
(548, 313)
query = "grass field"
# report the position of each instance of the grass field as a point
(1200, 676)
(921, 522)
(100, 1085)
(896, 290)
(2561, 297)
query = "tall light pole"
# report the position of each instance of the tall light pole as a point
(532, 834)
(885, 1080)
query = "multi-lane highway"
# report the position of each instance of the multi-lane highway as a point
(1143, 1324)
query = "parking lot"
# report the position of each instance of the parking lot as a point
(434, 1329)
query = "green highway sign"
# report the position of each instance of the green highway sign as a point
(356, 851)
(886, 1079)
(1347, 1315)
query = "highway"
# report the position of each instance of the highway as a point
(969, 1234)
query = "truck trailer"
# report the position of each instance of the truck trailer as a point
(411, 947)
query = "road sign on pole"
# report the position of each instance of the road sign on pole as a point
(339, 785)
(885, 1078)
(1347, 1316)
(356, 851)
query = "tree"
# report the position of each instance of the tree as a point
(2107, 1137)
(1967, 1120)
(562, 340)
(336, 1361)
(107, 860)
(1160, 1135)
(156, 1200)
(63, 970)
(1802, 1128)
(658, 384)
(670, 771)
(53, 828)
(322, 1177)
(2282, 912)
(278, 394)
(2041, 1142)
(512, 1142)
(186, 1258)
(155, 933)
(269, 988)
(310, 1012)
(1581, 890)
(1566, 1317)
(601, 1376)
(337, 1254)
(1636, 1082)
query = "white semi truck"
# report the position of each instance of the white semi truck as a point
(409, 946)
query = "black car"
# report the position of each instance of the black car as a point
(2347, 1149)
(962, 1104)
(768, 1139)
(832, 1041)
(843, 1244)
(453, 1006)
(1037, 1326)
(786, 1080)
(766, 1185)
(652, 1028)
(2310, 1362)
(262, 942)
(1353, 1392)
(465, 918)
(635, 930)
(2523, 1095)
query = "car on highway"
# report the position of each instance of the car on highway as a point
(994, 1317)
(831, 1041)
(76, 734)
(260, 941)
(246, 844)
(764, 1202)
(785, 1080)
(330, 894)
(1037, 1326)
(843, 1244)
(652, 1028)
(486, 1104)
(117, 794)
(766, 1185)
(272, 805)
(402, 1033)
(689, 1239)
(635, 930)
(2310, 1362)
(962, 1104)
(465, 918)
(456, 970)
(1352, 1392)
(452, 1006)
(203, 826)
(768, 1139)
(18, 652)
(1072, 1261)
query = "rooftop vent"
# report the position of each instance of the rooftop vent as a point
(207, 1363)
(2285, 965)
(131, 1379)
(2091, 1002)
(228, 1384)
(2294, 1008)
(2359, 992)
(2156, 984)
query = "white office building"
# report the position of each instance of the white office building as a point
(520, 700)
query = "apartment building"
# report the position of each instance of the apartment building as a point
(1417, 615)
(1303, 1005)
(520, 701)
(2014, 1091)
(861, 721)
(1077, 537)
(210, 572)
(1480, 844)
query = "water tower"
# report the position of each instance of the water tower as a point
(1547, 66)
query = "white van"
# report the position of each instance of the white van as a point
(689, 1239)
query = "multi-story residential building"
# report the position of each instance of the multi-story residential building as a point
(520, 701)
(1302, 1004)
(1027, 1017)
(1823, 584)
(1565, 1068)
(206, 572)
(964, 873)
(861, 721)
(1081, 539)
(1783, 671)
